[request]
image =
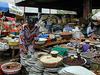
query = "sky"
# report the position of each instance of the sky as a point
(9, 1)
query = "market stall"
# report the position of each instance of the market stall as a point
(8, 30)
(56, 50)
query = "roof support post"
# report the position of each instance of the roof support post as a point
(39, 12)
(87, 8)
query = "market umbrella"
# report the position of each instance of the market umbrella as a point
(5, 7)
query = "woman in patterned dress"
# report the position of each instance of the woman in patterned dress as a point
(26, 37)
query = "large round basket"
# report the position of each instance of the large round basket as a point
(51, 62)
(6, 68)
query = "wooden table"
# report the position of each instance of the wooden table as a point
(39, 46)
(50, 44)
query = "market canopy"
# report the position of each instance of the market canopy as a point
(54, 4)
(73, 5)
(5, 7)
(58, 4)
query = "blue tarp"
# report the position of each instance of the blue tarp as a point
(43, 35)
(4, 7)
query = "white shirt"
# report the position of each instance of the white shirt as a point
(89, 31)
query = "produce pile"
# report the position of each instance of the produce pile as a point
(75, 61)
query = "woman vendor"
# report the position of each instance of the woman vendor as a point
(90, 30)
(26, 38)
(68, 28)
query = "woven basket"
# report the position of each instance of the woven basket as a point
(12, 71)
(51, 65)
